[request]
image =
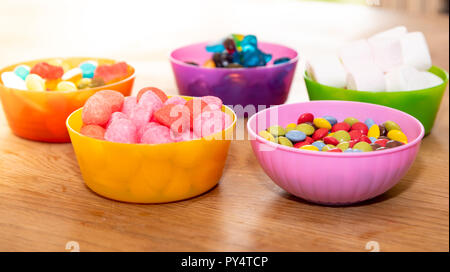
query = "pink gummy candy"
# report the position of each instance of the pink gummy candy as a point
(128, 104)
(209, 122)
(151, 100)
(93, 131)
(121, 131)
(116, 115)
(214, 103)
(96, 111)
(141, 115)
(113, 98)
(156, 135)
(144, 128)
(175, 100)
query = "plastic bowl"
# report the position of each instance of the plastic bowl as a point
(41, 116)
(422, 104)
(144, 173)
(334, 178)
(265, 86)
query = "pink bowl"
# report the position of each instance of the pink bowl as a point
(259, 86)
(334, 178)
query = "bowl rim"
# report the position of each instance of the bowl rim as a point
(133, 75)
(182, 63)
(349, 91)
(139, 144)
(337, 154)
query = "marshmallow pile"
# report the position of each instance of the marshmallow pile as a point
(393, 60)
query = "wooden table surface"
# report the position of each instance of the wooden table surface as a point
(44, 203)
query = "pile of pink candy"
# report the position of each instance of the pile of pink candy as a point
(151, 117)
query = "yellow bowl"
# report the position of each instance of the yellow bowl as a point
(146, 173)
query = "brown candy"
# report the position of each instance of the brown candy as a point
(383, 137)
(383, 130)
(375, 146)
(191, 63)
(393, 143)
(381, 148)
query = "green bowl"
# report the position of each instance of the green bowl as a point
(422, 104)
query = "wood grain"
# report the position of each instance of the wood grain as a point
(44, 202)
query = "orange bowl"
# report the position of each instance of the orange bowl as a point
(41, 116)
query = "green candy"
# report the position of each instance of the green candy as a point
(342, 136)
(290, 127)
(328, 147)
(306, 128)
(390, 125)
(266, 135)
(343, 146)
(351, 120)
(277, 131)
(284, 141)
(363, 146)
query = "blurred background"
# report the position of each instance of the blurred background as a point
(144, 32)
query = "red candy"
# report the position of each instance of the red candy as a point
(334, 150)
(330, 140)
(47, 71)
(96, 111)
(353, 142)
(113, 98)
(382, 142)
(93, 131)
(175, 117)
(366, 139)
(355, 134)
(121, 131)
(305, 117)
(300, 144)
(340, 126)
(154, 90)
(309, 140)
(319, 134)
(360, 126)
(111, 72)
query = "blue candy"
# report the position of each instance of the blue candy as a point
(369, 122)
(296, 136)
(88, 69)
(249, 43)
(373, 139)
(22, 71)
(281, 60)
(349, 150)
(319, 145)
(330, 119)
(215, 48)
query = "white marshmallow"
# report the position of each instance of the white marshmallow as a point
(369, 78)
(387, 53)
(327, 71)
(393, 33)
(415, 51)
(356, 55)
(71, 73)
(11, 80)
(408, 78)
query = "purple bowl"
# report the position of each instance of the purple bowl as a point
(258, 86)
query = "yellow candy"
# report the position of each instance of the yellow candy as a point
(66, 86)
(290, 127)
(397, 135)
(266, 135)
(374, 131)
(310, 147)
(322, 123)
(74, 75)
(35, 83)
(84, 83)
(51, 84)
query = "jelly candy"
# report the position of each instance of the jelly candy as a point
(11, 80)
(121, 131)
(35, 83)
(281, 60)
(66, 86)
(214, 103)
(175, 100)
(141, 115)
(93, 131)
(96, 111)
(47, 71)
(116, 115)
(84, 83)
(173, 116)
(296, 136)
(156, 134)
(111, 72)
(129, 103)
(113, 98)
(22, 71)
(88, 69)
(161, 95)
